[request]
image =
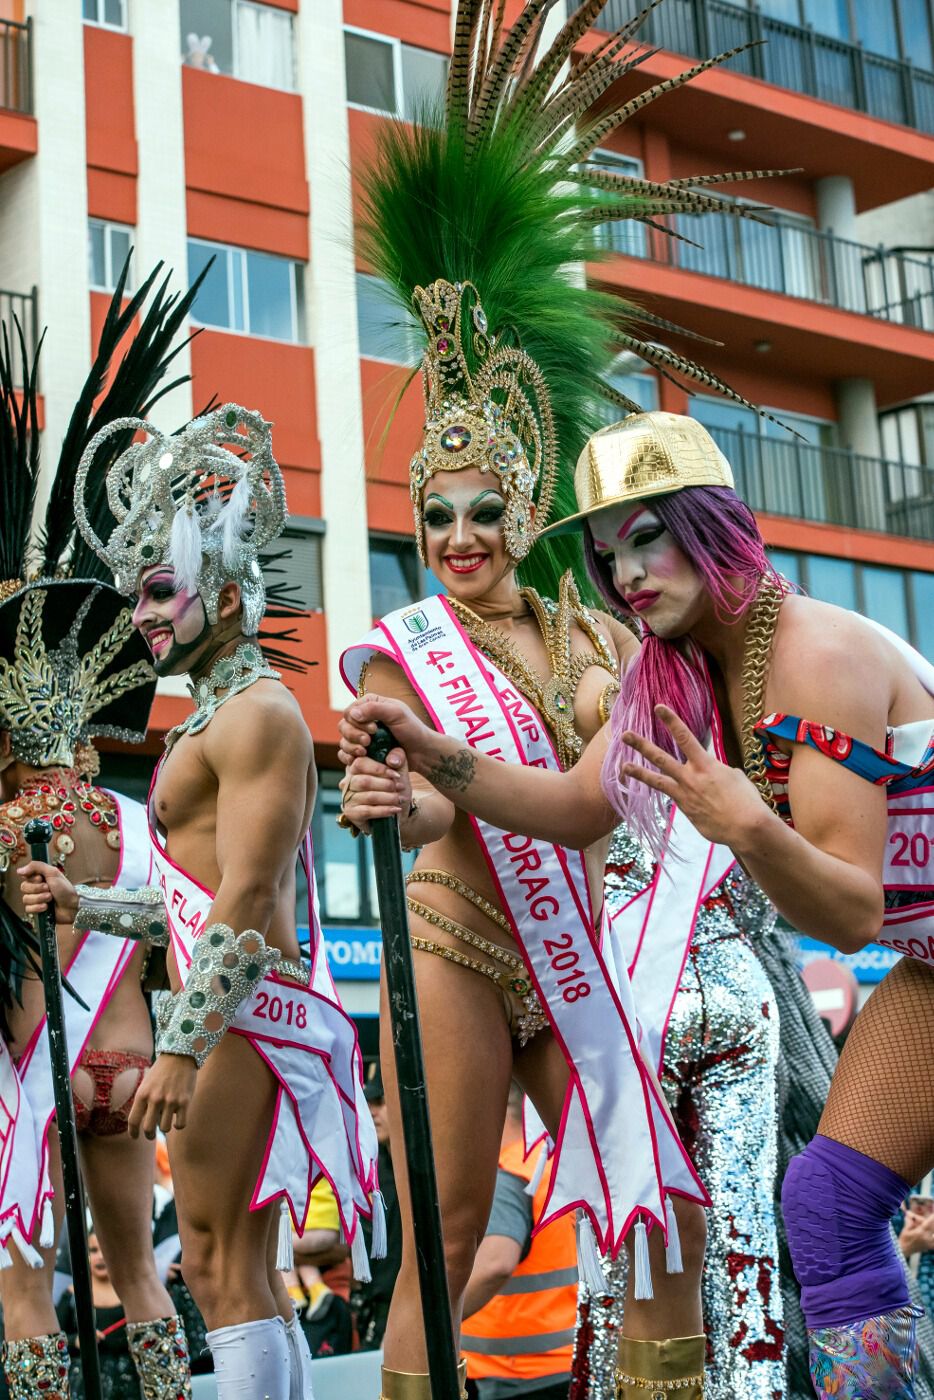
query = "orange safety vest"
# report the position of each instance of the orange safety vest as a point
(527, 1330)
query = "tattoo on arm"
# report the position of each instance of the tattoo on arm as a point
(454, 772)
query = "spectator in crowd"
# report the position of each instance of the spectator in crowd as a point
(371, 1300)
(319, 1284)
(119, 1379)
(521, 1301)
(915, 1230)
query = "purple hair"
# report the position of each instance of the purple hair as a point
(718, 533)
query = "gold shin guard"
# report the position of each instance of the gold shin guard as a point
(415, 1385)
(669, 1370)
(160, 1354)
(37, 1366)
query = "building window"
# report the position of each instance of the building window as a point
(385, 75)
(246, 291)
(108, 249)
(640, 386)
(295, 563)
(110, 14)
(620, 235)
(254, 43)
(874, 24)
(397, 577)
(385, 331)
(901, 599)
(344, 867)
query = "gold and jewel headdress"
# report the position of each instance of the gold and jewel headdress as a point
(644, 455)
(206, 500)
(72, 667)
(480, 211)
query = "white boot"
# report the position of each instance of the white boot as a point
(300, 1354)
(251, 1360)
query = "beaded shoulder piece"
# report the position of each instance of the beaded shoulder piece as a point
(58, 796)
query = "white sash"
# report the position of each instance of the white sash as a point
(617, 1150)
(652, 933)
(909, 847)
(321, 1123)
(28, 1106)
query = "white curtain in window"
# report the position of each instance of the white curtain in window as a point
(263, 45)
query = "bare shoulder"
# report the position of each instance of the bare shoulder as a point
(265, 718)
(622, 642)
(831, 667)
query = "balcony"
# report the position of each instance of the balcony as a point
(24, 308)
(794, 57)
(789, 257)
(830, 485)
(16, 66)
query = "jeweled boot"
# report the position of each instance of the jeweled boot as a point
(37, 1366)
(160, 1354)
(877, 1356)
(415, 1385)
(669, 1370)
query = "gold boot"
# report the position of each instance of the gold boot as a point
(160, 1354)
(37, 1366)
(669, 1370)
(415, 1385)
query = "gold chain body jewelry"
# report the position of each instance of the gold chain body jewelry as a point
(760, 633)
(451, 882)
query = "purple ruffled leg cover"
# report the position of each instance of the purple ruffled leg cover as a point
(854, 1291)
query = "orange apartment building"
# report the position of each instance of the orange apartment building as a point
(191, 128)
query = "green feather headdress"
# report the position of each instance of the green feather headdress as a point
(482, 213)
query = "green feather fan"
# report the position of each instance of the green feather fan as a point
(496, 186)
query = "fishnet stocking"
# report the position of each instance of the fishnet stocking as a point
(880, 1100)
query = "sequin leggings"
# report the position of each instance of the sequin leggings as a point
(719, 1075)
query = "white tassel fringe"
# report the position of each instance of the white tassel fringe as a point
(588, 1259)
(285, 1255)
(185, 547)
(30, 1256)
(358, 1256)
(47, 1231)
(643, 1286)
(673, 1248)
(536, 1179)
(378, 1242)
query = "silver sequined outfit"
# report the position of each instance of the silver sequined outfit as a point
(719, 1076)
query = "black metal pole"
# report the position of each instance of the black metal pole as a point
(413, 1096)
(38, 834)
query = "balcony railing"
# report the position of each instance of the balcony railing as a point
(786, 256)
(795, 57)
(830, 485)
(15, 65)
(24, 308)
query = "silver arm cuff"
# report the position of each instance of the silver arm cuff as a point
(138, 914)
(226, 970)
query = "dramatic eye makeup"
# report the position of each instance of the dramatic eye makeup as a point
(641, 529)
(492, 511)
(438, 512)
(160, 587)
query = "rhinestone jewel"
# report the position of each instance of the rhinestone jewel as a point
(444, 347)
(479, 319)
(456, 438)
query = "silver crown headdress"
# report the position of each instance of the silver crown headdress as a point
(190, 501)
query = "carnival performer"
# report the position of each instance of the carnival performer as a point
(73, 668)
(816, 714)
(515, 357)
(258, 1076)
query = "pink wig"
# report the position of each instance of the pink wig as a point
(718, 533)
